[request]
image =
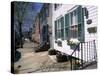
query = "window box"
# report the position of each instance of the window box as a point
(73, 43)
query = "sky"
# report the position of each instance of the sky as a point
(29, 21)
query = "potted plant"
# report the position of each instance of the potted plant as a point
(52, 51)
(59, 42)
(73, 43)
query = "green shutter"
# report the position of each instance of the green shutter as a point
(58, 34)
(67, 20)
(67, 24)
(62, 22)
(80, 23)
(58, 27)
(56, 30)
(62, 28)
(67, 32)
(79, 13)
(79, 30)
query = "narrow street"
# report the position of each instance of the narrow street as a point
(31, 62)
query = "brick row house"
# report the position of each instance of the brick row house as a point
(36, 35)
(42, 34)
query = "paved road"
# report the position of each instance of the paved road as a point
(31, 62)
(27, 48)
(28, 45)
(37, 62)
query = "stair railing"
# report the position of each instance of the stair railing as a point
(71, 56)
(83, 54)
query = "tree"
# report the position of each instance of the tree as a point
(20, 13)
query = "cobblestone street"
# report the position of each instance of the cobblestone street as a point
(31, 62)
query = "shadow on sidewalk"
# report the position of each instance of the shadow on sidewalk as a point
(17, 56)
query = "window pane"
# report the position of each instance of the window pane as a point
(62, 22)
(62, 28)
(67, 32)
(79, 30)
(58, 34)
(74, 31)
(75, 22)
(71, 18)
(79, 12)
(62, 34)
(66, 20)
(59, 24)
(74, 17)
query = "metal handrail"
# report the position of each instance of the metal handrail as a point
(75, 49)
(80, 47)
(72, 54)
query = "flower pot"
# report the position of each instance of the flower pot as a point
(52, 52)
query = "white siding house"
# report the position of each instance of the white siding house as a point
(75, 21)
(93, 16)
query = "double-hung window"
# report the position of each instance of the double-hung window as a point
(59, 28)
(74, 27)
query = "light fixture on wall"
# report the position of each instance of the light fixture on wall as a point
(89, 21)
